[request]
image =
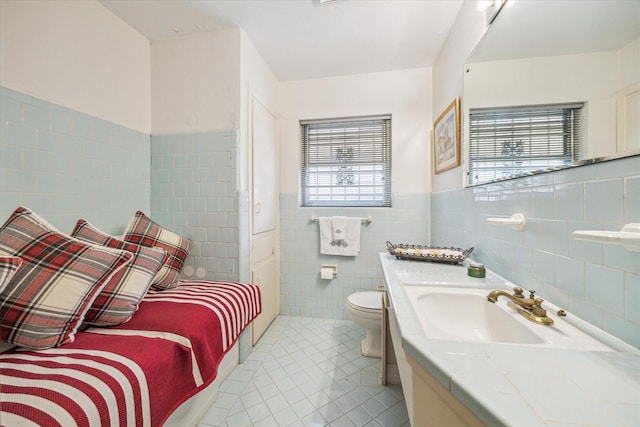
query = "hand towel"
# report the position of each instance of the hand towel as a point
(326, 236)
(338, 227)
(340, 235)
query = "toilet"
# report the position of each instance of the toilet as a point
(365, 309)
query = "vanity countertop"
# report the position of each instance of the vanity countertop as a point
(510, 384)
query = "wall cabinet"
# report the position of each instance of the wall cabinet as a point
(264, 250)
(264, 273)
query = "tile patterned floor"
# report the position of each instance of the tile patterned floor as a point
(308, 372)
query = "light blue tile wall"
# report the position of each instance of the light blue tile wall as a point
(302, 291)
(194, 193)
(600, 283)
(244, 233)
(66, 165)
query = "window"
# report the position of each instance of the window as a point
(514, 141)
(346, 162)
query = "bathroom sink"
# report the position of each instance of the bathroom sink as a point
(466, 315)
(462, 314)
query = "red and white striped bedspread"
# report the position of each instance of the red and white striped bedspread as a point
(133, 374)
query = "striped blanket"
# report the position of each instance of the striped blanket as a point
(134, 374)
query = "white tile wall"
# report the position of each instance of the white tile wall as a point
(302, 291)
(599, 283)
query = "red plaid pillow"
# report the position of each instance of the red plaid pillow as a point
(44, 304)
(119, 300)
(143, 231)
(8, 267)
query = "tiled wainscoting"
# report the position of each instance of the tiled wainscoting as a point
(599, 283)
(66, 165)
(302, 291)
(193, 192)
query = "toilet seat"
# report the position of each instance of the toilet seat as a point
(366, 301)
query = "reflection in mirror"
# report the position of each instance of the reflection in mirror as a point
(552, 84)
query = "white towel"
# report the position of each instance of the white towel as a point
(338, 227)
(340, 235)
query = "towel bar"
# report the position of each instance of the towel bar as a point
(517, 221)
(363, 219)
(628, 237)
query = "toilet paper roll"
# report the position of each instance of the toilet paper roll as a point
(326, 273)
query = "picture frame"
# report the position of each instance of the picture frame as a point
(446, 138)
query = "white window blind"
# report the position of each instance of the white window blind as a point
(514, 141)
(346, 162)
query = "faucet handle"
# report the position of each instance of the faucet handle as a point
(532, 294)
(518, 292)
(537, 309)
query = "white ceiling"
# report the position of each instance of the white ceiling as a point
(302, 39)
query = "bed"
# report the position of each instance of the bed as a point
(99, 331)
(135, 374)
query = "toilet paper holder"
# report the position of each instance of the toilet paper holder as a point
(328, 271)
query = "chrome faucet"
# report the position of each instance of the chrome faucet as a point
(530, 308)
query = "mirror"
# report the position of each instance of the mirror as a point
(550, 52)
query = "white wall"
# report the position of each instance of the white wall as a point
(629, 64)
(406, 95)
(469, 27)
(553, 79)
(628, 109)
(78, 55)
(195, 83)
(205, 82)
(257, 78)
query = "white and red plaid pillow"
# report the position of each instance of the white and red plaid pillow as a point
(46, 301)
(118, 301)
(143, 231)
(8, 267)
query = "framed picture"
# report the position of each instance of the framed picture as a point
(446, 138)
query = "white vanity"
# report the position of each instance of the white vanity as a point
(466, 361)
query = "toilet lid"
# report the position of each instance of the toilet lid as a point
(370, 300)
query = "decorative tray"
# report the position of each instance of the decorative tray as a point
(428, 253)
